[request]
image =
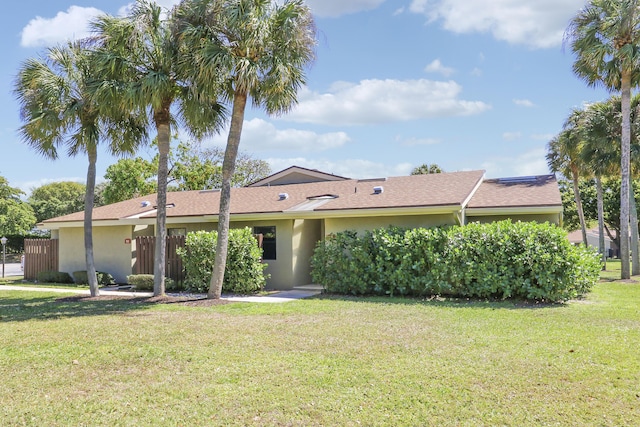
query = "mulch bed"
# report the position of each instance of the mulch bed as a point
(187, 301)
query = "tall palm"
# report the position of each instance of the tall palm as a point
(58, 109)
(601, 152)
(601, 155)
(250, 48)
(563, 156)
(605, 37)
(140, 55)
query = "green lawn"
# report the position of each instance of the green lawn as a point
(323, 361)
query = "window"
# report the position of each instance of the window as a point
(268, 241)
(176, 232)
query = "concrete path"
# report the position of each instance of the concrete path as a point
(277, 297)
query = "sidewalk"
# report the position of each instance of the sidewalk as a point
(277, 297)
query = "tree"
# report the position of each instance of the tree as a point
(563, 155)
(59, 108)
(57, 199)
(16, 216)
(140, 56)
(129, 178)
(425, 169)
(605, 38)
(249, 48)
(198, 168)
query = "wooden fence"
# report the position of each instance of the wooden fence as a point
(145, 248)
(40, 255)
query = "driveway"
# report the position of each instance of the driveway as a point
(12, 269)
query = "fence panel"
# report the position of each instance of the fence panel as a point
(145, 247)
(40, 255)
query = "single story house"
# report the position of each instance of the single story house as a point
(297, 207)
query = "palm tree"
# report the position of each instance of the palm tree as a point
(563, 156)
(426, 168)
(605, 37)
(58, 108)
(140, 55)
(250, 48)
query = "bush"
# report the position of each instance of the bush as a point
(522, 260)
(54, 277)
(104, 279)
(144, 282)
(244, 272)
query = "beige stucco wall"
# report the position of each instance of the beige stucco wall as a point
(110, 251)
(361, 224)
(552, 218)
(306, 233)
(280, 269)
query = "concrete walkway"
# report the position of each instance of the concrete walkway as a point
(276, 297)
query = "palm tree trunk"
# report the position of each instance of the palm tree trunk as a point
(625, 163)
(228, 168)
(576, 194)
(162, 119)
(600, 204)
(633, 221)
(88, 221)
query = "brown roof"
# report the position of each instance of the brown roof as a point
(517, 192)
(433, 190)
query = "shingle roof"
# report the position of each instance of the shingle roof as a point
(529, 191)
(433, 190)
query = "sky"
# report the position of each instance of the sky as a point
(465, 84)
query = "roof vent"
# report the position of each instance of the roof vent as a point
(283, 196)
(378, 189)
(145, 204)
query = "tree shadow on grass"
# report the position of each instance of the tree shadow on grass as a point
(448, 302)
(19, 309)
(41, 307)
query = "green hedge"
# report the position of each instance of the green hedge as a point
(104, 279)
(244, 272)
(144, 282)
(54, 277)
(522, 260)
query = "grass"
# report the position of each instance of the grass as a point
(321, 362)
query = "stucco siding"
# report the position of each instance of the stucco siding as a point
(335, 225)
(111, 253)
(306, 233)
(551, 218)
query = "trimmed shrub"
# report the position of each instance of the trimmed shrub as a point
(144, 282)
(522, 260)
(244, 272)
(104, 279)
(54, 277)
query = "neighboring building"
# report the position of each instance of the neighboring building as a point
(593, 240)
(297, 207)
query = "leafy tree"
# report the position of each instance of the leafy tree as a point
(57, 199)
(249, 48)
(59, 108)
(16, 216)
(425, 169)
(197, 168)
(129, 178)
(141, 56)
(605, 39)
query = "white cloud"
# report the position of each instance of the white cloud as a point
(532, 162)
(65, 26)
(335, 8)
(413, 142)
(261, 135)
(436, 66)
(383, 101)
(534, 23)
(523, 103)
(350, 168)
(511, 136)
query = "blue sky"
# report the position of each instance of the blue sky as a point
(466, 84)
